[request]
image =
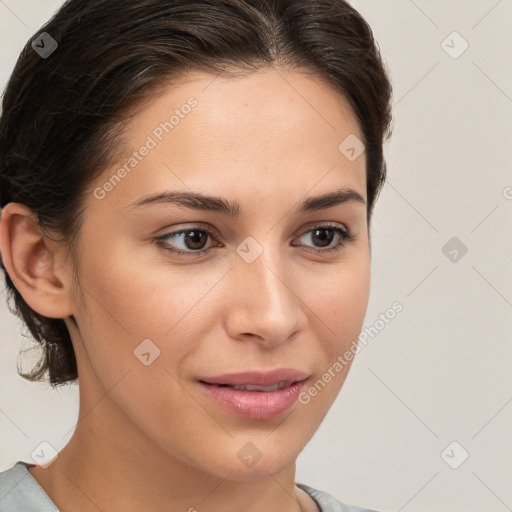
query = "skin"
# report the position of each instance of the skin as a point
(267, 141)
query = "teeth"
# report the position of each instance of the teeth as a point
(249, 387)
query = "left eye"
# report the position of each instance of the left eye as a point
(326, 234)
(194, 239)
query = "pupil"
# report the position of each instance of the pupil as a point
(195, 237)
(324, 241)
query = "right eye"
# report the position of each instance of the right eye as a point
(192, 240)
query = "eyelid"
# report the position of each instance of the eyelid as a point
(319, 224)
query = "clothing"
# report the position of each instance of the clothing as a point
(20, 491)
(325, 502)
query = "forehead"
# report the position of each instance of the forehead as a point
(273, 128)
(242, 104)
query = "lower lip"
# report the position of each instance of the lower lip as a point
(255, 405)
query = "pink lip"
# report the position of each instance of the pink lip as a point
(257, 378)
(256, 405)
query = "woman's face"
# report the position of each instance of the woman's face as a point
(274, 285)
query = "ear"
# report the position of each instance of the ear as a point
(35, 263)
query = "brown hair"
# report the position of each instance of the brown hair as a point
(63, 114)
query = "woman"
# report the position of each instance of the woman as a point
(187, 189)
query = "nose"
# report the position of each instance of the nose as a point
(263, 305)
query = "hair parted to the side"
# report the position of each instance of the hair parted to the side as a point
(63, 116)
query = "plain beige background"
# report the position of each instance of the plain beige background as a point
(434, 385)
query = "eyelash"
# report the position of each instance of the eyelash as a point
(346, 237)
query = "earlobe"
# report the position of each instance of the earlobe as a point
(32, 262)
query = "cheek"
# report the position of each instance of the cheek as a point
(136, 295)
(350, 299)
(341, 302)
(125, 306)
(127, 302)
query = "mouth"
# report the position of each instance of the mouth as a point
(255, 395)
(253, 387)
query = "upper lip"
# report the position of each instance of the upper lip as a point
(257, 378)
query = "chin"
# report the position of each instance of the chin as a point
(260, 471)
(249, 463)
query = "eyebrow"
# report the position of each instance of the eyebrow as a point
(198, 201)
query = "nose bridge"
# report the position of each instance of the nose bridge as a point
(264, 303)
